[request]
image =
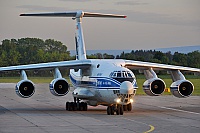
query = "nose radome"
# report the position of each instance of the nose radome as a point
(126, 87)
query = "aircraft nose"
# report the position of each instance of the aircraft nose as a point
(126, 87)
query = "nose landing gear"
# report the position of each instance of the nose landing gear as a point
(118, 108)
(115, 108)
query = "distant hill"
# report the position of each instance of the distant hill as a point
(184, 49)
(111, 52)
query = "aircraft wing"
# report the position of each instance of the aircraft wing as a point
(74, 64)
(156, 66)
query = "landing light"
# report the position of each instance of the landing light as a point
(118, 100)
(131, 100)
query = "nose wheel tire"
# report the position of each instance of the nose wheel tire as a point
(129, 107)
(120, 110)
(125, 107)
(115, 108)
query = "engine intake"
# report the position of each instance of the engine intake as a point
(25, 88)
(59, 87)
(182, 88)
(154, 86)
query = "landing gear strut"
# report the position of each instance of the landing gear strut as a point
(76, 105)
(127, 107)
(115, 108)
(119, 109)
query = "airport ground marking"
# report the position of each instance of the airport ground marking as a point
(179, 110)
(152, 128)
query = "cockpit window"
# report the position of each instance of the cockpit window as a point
(122, 76)
(129, 74)
(118, 74)
(114, 74)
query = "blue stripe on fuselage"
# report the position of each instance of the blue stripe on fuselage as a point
(100, 83)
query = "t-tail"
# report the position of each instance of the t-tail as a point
(77, 15)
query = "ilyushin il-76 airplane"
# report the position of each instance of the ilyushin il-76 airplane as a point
(108, 82)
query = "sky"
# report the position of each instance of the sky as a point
(150, 24)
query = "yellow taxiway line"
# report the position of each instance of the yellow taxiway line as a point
(151, 129)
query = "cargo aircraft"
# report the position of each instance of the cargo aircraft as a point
(108, 82)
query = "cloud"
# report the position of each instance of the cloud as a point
(77, 0)
(130, 3)
(42, 8)
(136, 16)
(158, 18)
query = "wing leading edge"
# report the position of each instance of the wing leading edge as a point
(74, 64)
(156, 66)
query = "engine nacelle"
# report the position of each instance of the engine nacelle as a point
(154, 86)
(182, 88)
(25, 88)
(59, 87)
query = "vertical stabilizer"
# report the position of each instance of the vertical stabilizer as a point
(80, 44)
(77, 15)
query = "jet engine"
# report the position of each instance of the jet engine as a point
(25, 88)
(182, 88)
(59, 87)
(154, 86)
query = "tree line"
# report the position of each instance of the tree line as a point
(191, 59)
(31, 50)
(34, 50)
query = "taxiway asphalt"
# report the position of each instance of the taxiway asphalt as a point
(45, 113)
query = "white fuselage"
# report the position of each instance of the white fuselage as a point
(100, 84)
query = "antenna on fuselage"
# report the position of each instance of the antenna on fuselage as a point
(78, 15)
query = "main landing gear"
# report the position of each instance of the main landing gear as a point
(76, 105)
(119, 109)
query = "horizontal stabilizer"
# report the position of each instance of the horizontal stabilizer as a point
(77, 14)
(88, 14)
(56, 14)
